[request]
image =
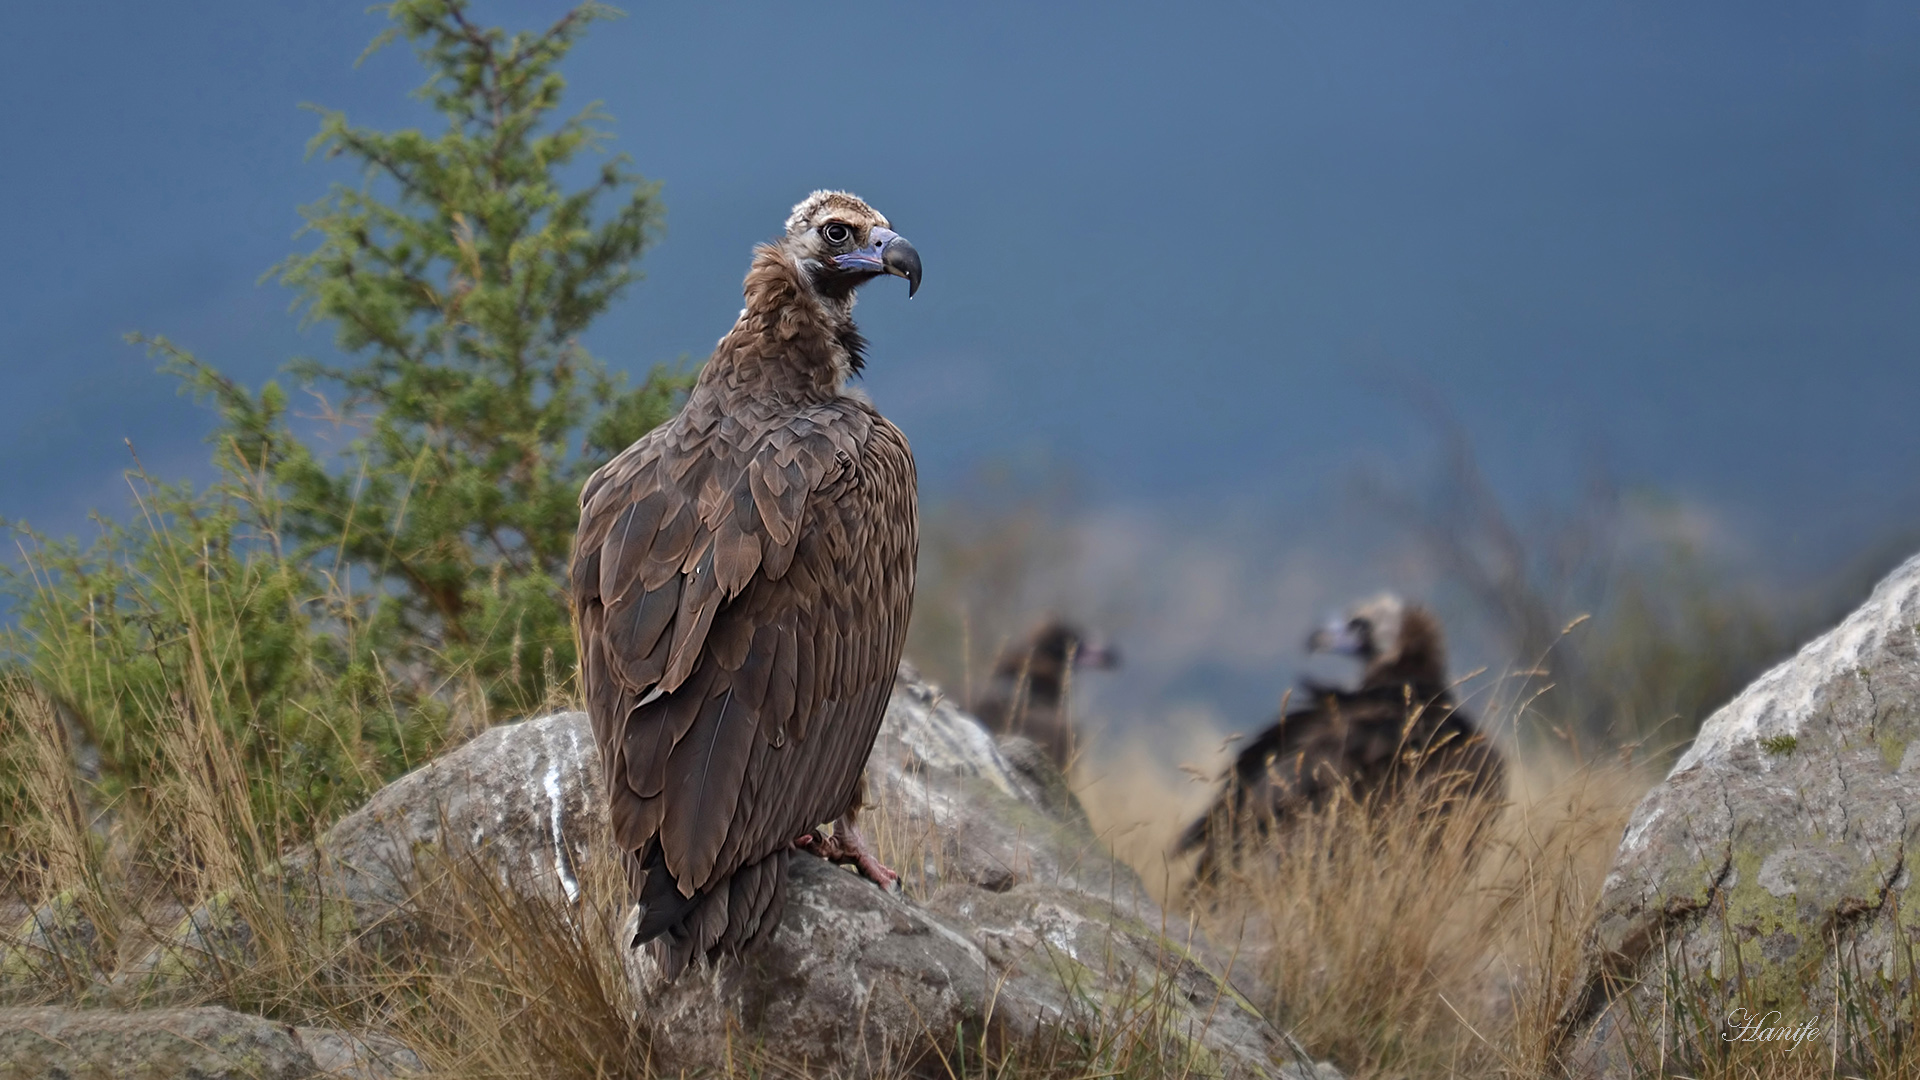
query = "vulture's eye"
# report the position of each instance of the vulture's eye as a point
(836, 233)
(1361, 627)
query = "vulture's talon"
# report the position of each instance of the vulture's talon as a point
(846, 847)
(855, 850)
(873, 870)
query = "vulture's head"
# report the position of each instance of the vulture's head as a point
(841, 243)
(1054, 647)
(1396, 641)
(1366, 632)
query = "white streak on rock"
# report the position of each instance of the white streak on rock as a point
(560, 867)
(1636, 837)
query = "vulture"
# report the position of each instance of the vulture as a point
(1400, 725)
(1027, 695)
(741, 582)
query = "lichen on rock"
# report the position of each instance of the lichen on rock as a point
(1773, 867)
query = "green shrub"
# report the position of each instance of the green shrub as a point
(342, 616)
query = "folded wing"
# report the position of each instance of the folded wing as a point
(742, 594)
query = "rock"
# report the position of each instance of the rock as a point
(358, 1055)
(56, 947)
(158, 1044)
(950, 807)
(1045, 783)
(1016, 926)
(210, 942)
(1775, 861)
(205, 1043)
(524, 797)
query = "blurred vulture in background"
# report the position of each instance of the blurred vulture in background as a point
(1028, 693)
(1399, 732)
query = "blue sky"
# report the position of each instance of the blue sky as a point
(1198, 254)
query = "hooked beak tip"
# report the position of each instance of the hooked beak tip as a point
(899, 258)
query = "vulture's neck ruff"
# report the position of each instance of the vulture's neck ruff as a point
(1418, 658)
(796, 337)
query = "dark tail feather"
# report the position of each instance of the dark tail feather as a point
(737, 912)
(758, 899)
(661, 906)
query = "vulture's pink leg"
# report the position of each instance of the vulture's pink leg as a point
(857, 852)
(846, 845)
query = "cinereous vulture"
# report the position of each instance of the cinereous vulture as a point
(1027, 695)
(1400, 726)
(741, 584)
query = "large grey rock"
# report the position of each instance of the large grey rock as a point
(1016, 925)
(1774, 863)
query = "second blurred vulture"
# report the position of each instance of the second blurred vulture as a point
(1400, 725)
(1028, 692)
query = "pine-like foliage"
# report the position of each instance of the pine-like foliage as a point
(459, 278)
(339, 614)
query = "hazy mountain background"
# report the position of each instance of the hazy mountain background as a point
(1207, 289)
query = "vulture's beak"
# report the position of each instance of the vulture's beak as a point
(1098, 657)
(1339, 637)
(887, 252)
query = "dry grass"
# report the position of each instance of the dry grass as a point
(482, 979)
(1376, 938)
(489, 981)
(1404, 945)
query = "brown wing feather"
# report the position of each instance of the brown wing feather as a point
(742, 594)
